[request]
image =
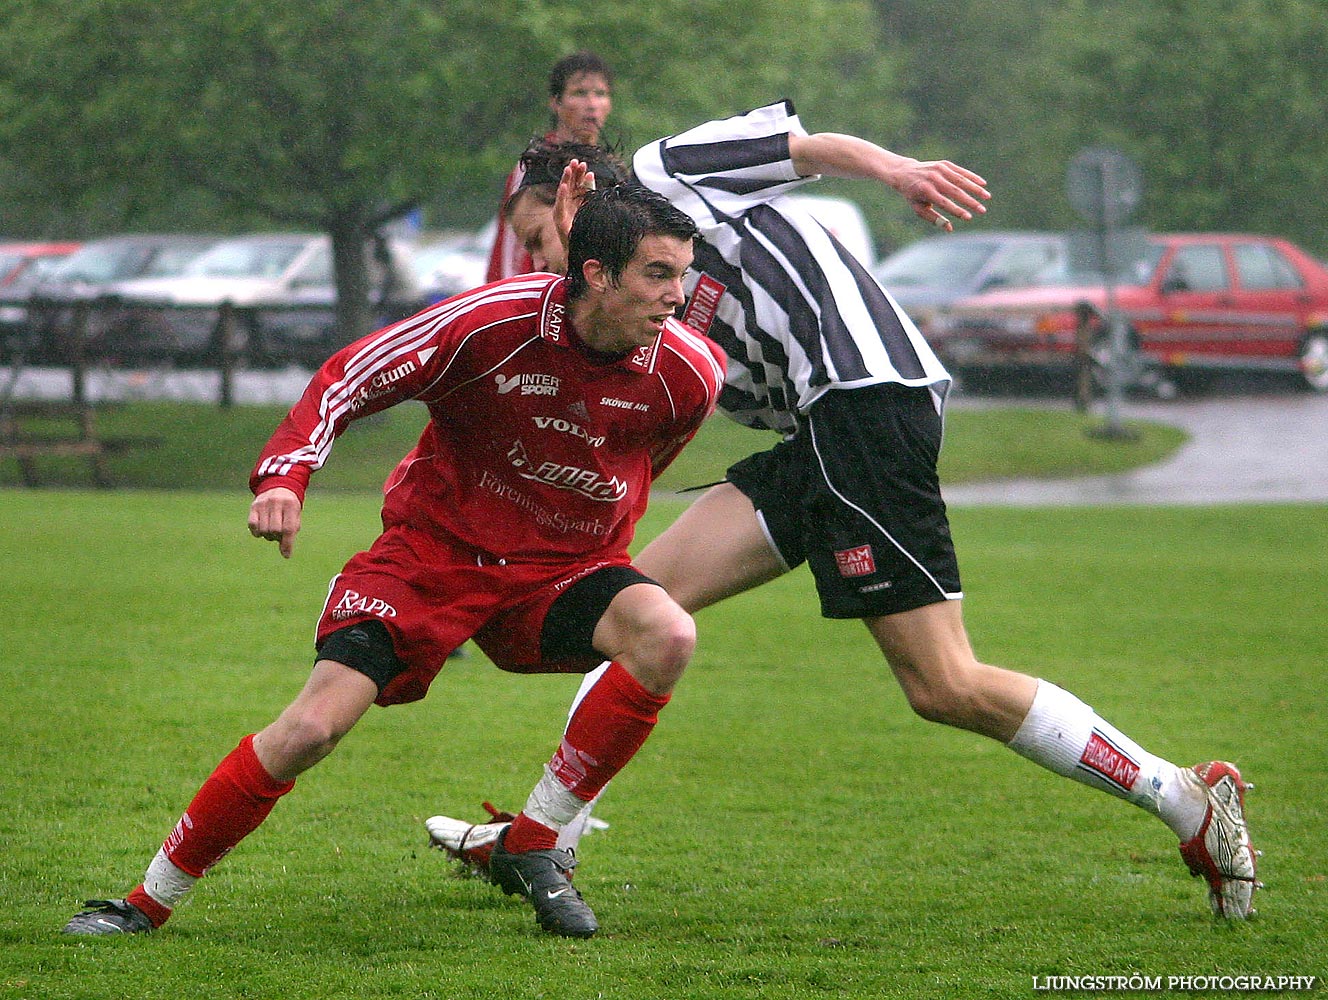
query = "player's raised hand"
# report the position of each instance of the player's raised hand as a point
(275, 515)
(575, 182)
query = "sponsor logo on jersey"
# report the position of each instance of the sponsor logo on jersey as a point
(380, 385)
(544, 517)
(351, 604)
(1109, 762)
(704, 303)
(588, 482)
(530, 384)
(624, 404)
(553, 322)
(567, 427)
(856, 561)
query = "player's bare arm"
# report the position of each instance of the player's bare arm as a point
(931, 187)
(275, 516)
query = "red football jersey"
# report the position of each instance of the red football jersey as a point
(536, 448)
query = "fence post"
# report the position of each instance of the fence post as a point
(225, 339)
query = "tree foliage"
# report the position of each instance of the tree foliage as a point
(334, 114)
(338, 114)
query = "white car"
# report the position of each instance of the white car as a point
(285, 281)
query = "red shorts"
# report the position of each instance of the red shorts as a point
(433, 594)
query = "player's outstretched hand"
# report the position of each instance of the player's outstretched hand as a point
(575, 182)
(275, 515)
(933, 187)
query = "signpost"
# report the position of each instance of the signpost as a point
(1105, 187)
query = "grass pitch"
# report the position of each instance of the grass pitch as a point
(790, 831)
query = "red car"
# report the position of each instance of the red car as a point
(1215, 300)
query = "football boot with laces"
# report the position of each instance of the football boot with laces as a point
(109, 916)
(1221, 852)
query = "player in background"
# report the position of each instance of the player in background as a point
(553, 403)
(580, 99)
(819, 351)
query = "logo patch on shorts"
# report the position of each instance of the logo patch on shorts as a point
(856, 561)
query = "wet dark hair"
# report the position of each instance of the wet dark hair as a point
(578, 62)
(543, 163)
(610, 225)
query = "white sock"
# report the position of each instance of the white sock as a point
(1066, 736)
(551, 803)
(572, 831)
(165, 883)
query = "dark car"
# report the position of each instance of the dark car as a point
(926, 277)
(90, 278)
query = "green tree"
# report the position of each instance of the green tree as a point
(338, 114)
(1220, 102)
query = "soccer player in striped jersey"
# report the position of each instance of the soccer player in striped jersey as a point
(553, 403)
(820, 352)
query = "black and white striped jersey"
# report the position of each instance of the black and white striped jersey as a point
(796, 313)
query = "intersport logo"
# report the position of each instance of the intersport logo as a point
(530, 384)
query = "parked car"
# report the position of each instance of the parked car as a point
(928, 276)
(283, 282)
(98, 266)
(1193, 300)
(448, 263)
(22, 267)
(91, 276)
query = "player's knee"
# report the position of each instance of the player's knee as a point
(948, 699)
(302, 739)
(663, 650)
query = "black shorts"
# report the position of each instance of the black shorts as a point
(855, 495)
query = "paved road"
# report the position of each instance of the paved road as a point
(1245, 447)
(1251, 441)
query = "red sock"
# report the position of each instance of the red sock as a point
(157, 913)
(605, 732)
(236, 797)
(526, 834)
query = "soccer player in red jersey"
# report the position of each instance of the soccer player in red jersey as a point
(580, 99)
(552, 403)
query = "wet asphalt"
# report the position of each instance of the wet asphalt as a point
(1251, 441)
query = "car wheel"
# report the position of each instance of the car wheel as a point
(1314, 360)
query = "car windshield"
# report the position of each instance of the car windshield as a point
(1136, 271)
(94, 264)
(936, 264)
(8, 262)
(170, 261)
(243, 259)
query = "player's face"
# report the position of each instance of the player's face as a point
(532, 221)
(582, 108)
(632, 312)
